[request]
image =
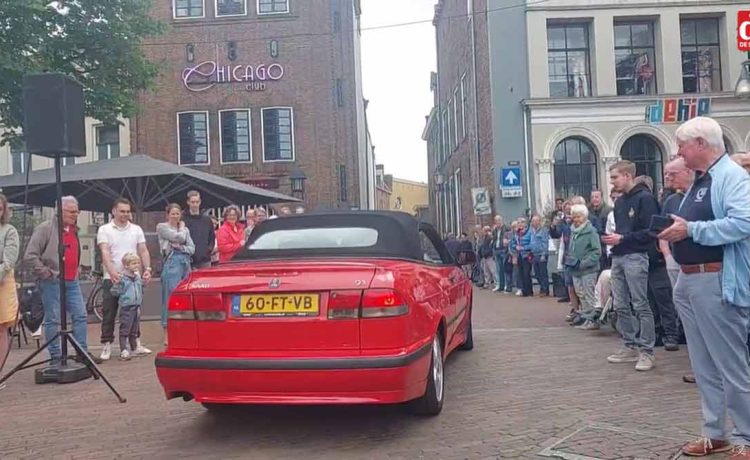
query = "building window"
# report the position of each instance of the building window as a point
(235, 136)
(701, 55)
(451, 125)
(231, 7)
(339, 92)
(643, 150)
(107, 142)
(343, 184)
(464, 106)
(18, 157)
(568, 60)
(456, 119)
(273, 6)
(188, 9)
(635, 59)
(728, 146)
(575, 168)
(457, 183)
(192, 138)
(444, 143)
(450, 189)
(278, 134)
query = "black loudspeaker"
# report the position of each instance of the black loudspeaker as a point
(54, 118)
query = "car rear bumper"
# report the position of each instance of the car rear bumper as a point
(324, 380)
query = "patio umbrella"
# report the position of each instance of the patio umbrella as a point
(149, 183)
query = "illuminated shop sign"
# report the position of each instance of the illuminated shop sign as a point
(208, 74)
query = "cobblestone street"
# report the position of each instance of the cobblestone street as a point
(532, 387)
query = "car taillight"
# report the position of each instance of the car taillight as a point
(383, 303)
(344, 304)
(180, 307)
(209, 307)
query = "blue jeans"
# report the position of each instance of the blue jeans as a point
(635, 319)
(75, 309)
(500, 257)
(176, 269)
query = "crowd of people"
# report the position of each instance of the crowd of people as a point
(188, 239)
(674, 263)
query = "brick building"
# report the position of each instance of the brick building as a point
(565, 89)
(458, 130)
(266, 92)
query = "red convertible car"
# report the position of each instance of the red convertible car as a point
(336, 308)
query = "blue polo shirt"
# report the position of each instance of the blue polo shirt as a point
(697, 207)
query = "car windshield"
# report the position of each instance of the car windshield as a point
(316, 238)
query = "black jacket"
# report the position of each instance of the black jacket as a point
(202, 233)
(633, 213)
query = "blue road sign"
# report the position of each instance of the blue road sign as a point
(511, 177)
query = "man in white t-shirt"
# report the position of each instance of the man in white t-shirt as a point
(115, 239)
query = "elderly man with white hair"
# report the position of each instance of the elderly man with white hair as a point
(710, 240)
(41, 256)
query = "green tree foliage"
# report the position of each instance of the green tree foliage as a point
(95, 41)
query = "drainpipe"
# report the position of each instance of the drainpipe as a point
(477, 149)
(526, 153)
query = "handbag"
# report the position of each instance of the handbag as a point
(32, 309)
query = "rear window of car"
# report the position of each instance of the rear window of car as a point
(316, 238)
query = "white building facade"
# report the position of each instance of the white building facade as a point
(611, 80)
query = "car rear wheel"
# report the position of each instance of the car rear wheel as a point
(431, 403)
(468, 343)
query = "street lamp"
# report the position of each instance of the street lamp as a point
(298, 178)
(742, 89)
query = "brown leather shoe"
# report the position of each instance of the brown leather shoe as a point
(706, 446)
(740, 453)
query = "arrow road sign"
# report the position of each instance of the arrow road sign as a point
(510, 183)
(511, 177)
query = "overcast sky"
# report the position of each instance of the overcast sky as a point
(396, 66)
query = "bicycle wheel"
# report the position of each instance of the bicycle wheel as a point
(94, 303)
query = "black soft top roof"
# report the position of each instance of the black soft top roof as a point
(398, 234)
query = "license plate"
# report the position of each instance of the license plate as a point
(258, 306)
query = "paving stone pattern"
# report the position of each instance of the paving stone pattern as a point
(532, 386)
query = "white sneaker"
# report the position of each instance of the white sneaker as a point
(140, 349)
(497, 289)
(519, 293)
(106, 351)
(125, 355)
(646, 362)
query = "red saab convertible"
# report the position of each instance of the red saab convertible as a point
(337, 308)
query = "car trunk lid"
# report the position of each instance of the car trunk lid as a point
(283, 306)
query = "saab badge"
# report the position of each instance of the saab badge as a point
(274, 283)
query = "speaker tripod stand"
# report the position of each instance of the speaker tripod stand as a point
(66, 370)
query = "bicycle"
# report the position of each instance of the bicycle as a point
(94, 300)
